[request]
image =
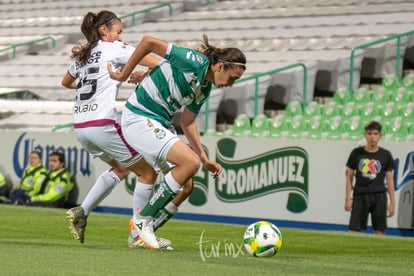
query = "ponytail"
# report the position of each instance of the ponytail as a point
(90, 29)
(229, 56)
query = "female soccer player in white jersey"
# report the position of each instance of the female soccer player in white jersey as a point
(184, 78)
(96, 120)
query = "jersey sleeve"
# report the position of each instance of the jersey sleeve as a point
(124, 52)
(187, 60)
(72, 70)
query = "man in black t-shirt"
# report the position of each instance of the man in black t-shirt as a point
(372, 167)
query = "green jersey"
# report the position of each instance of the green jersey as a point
(177, 81)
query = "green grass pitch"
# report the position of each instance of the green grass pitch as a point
(36, 241)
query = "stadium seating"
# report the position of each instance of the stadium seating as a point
(316, 128)
(342, 95)
(241, 127)
(369, 110)
(331, 109)
(335, 128)
(397, 129)
(354, 128)
(297, 128)
(278, 127)
(260, 126)
(272, 33)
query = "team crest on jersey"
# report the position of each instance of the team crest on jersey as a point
(159, 133)
(199, 59)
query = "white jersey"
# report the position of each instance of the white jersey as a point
(96, 92)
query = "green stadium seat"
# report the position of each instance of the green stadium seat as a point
(397, 129)
(350, 109)
(354, 128)
(361, 96)
(293, 108)
(278, 127)
(408, 82)
(331, 109)
(260, 126)
(335, 128)
(297, 128)
(391, 82)
(369, 110)
(342, 95)
(400, 96)
(380, 96)
(312, 108)
(407, 111)
(241, 126)
(315, 128)
(389, 110)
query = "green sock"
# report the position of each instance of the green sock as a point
(164, 215)
(161, 197)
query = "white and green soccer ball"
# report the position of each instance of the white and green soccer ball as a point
(262, 239)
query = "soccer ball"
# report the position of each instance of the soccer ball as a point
(262, 239)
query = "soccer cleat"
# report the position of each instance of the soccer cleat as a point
(143, 225)
(137, 243)
(77, 223)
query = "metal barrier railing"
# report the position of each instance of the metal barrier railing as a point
(133, 14)
(31, 42)
(256, 77)
(396, 37)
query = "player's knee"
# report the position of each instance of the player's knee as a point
(193, 164)
(121, 172)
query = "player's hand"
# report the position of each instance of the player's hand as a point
(213, 167)
(116, 75)
(138, 76)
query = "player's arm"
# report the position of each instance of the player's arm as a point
(390, 184)
(349, 177)
(149, 61)
(68, 81)
(190, 130)
(147, 45)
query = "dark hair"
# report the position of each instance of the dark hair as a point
(90, 29)
(373, 125)
(231, 57)
(60, 156)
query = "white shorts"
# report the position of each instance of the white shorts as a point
(107, 143)
(150, 138)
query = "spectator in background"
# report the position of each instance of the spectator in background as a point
(5, 187)
(55, 187)
(31, 181)
(371, 166)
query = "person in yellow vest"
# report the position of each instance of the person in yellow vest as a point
(31, 181)
(57, 185)
(4, 189)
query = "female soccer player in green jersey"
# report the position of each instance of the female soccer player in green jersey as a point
(184, 78)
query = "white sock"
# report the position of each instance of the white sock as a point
(172, 183)
(171, 208)
(102, 187)
(142, 194)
